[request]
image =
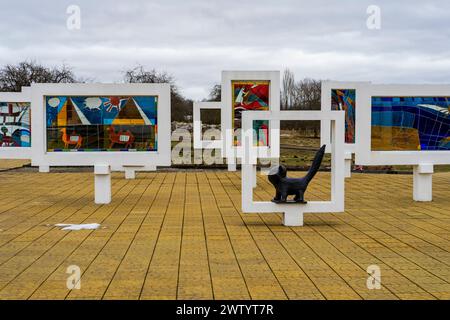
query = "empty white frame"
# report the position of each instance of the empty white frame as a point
(199, 143)
(17, 152)
(293, 213)
(230, 151)
(42, 157)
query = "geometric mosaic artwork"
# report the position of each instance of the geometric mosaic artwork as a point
(101, 123)
(345, 99)
(251, 95)
(15, 124)
(410, 123)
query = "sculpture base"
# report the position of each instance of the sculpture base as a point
(293, 218)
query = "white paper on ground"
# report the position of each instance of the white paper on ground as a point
(75, 227)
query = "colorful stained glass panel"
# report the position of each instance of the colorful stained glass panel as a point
(113, 123)
(410, 123)
(251, 95)
(15, 124)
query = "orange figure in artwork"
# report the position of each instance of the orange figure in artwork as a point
(122, 137)
(73, 138)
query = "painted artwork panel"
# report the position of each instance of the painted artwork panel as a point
(410, 123)
(251, 95)
(15, 129)
(104, 123)
(345, 99)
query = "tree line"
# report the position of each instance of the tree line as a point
(295, 95)
(15, 76)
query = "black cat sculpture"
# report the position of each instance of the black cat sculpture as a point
(293, 186)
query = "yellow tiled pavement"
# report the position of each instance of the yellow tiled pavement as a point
(7, 164)
(181, 235)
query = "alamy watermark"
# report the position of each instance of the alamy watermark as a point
(74, 279)
(374, 279)
(373, 21)
(73, 21)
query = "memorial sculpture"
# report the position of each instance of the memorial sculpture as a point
(285, 186)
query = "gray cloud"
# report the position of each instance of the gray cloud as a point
(194, 40)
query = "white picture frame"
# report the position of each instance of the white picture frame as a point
(231, 152)
(293, 213)
(40, 156)
(364, 153)
(325, 105)
(422, 161)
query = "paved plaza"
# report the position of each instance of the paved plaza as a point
(181, 235)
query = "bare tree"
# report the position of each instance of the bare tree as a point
(308, 94)
(288, 90)
(215, 93)
(181, 107)
(14, 77)
(138, 74)
(302, 95)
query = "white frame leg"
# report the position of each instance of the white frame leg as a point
(423, 182)
(348, 164)
(232, 165)
(130, 173)
(255, 176)
(44, 169)
(102, 174)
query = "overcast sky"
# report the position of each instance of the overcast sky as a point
(194, 40)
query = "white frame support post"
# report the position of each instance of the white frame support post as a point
(44, 169)
(348, 164)
(423, 182)
(113, 160)
(102, 174)
(130, 170)
(293, 213)
(130, 173)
